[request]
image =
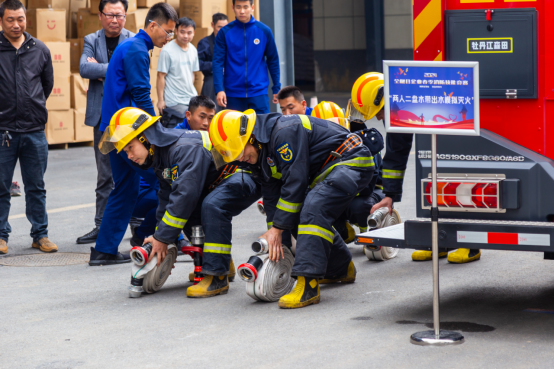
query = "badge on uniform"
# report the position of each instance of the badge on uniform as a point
(166, 173)
(174, 173)
(270, 162)
(285, 152)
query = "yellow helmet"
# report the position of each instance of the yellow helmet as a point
(367, 94)
(327, 109)
(229, 132)
(125, 125)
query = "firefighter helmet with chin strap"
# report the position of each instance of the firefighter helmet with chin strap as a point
(125, 125)
(367, 95)
(330, 111)
(230, 131)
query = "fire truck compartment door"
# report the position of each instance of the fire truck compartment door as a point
(505, 47)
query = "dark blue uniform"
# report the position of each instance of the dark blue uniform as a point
(394, 164)
(295, 156)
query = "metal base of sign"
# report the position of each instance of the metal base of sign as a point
(428, 338)
(435, 337)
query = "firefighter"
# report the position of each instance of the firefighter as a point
(295, 153)
(368, 100)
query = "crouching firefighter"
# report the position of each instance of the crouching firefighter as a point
(296, 153)
(182, 162)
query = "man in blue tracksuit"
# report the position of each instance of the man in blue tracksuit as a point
(245, 49)
(128, 84)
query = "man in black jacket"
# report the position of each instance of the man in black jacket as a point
(27, 80)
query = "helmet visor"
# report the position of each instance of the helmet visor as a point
(352, 114)
(112, 136)
(219, 159)
(340, 121)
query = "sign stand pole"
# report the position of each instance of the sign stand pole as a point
(435, 337)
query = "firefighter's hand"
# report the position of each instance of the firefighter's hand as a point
(161, 106)
(386, 202)
(273, 237)
(222, 99)
(159, 249)
(275, 100)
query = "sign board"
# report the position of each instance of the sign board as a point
(432, 97)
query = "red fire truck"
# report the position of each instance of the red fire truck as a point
(493, 191)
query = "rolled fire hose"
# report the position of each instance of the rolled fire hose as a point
(151, 276)
(267, 280)
(378, 220)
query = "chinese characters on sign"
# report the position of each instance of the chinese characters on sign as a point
(493, 45)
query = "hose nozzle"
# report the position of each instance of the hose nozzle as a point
(260, 246)
(249, 271)
(140, 254)
(198, 236)
(377, 217)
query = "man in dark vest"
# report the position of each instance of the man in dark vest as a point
(205, 55)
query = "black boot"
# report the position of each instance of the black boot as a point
(89, 237)
(102, 259)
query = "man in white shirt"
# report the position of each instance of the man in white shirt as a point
(176, 66)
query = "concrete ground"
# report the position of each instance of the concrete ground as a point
(81, 317)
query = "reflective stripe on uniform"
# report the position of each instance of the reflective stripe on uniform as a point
(393, 174)
(275, 174)
(317, 231)
(354, 162)
(174, 221)
(217, 248)
(362, 229)
(269, 225)
(305, 122)
(206, 140)
(283, 205)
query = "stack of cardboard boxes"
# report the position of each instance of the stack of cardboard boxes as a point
(63, 24)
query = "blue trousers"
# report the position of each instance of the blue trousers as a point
(121, 202)
(227, 200)
(32, 151)
(259, 103)
(146, 206)
(320, 251)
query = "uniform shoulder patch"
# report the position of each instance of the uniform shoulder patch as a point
(285, 151)
(174, 172)
(270, 162)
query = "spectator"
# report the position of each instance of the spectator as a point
(23, 95)
(206, 53)
(176, 66)
(291, 101)
(199, 115)
(245, 48)
(128, 83)
(97, 52)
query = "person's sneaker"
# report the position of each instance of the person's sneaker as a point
(89, 237)
(3, 246)
(15, 190)
(45, 245)
(102, 259)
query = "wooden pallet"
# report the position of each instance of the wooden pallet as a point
(66, 146)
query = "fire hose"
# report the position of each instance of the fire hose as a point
(146, 276)
(267, 280)
(378, 220)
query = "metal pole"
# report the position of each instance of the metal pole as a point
(435, 337)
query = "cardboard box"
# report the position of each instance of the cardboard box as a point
(75, 50)
(199, 34)
(153, 79)
(231, 14)
(146, 3)
(198, 81)
(135, 21)
(87, 23)
(47, 24)
(155, 58)
(174, 4)
(201, 11)
(75, 5)
(79, 88)
(82, 131)
(61, 58)
(60, 98)
(71, 26)
(59, 128)
(95, 3)
(54, 4)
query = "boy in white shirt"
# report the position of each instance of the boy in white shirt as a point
(176, 66)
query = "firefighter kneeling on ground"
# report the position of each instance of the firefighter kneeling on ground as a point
(367, 98)
(296, 152)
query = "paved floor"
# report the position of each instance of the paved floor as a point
(80, 316)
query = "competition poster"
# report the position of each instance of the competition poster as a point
(432, 97)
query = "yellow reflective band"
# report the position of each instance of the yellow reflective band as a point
(317, 231)
(305, 122)
(283, 205)
(362, 229)
(355, 162)
(206, 140)
(275, 174)
(217, 248)
(173, 221)
(269, 225)
(393, 174)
